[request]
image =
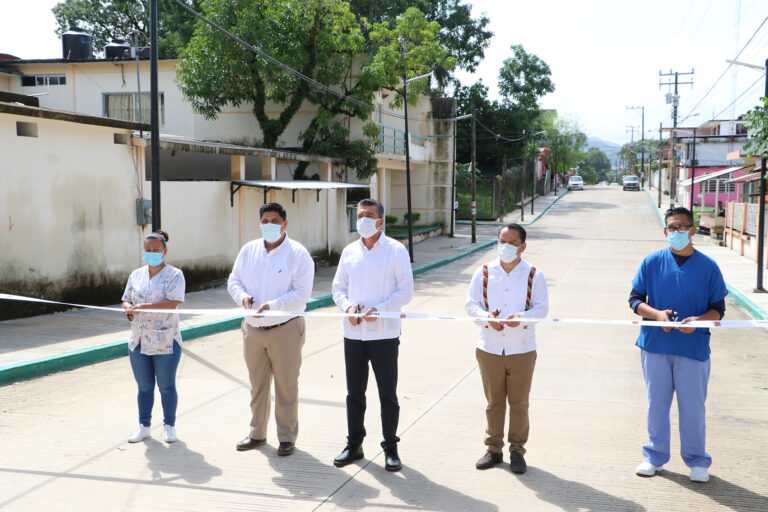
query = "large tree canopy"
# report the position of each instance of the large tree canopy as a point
(465, 37)
(105, 20)
(524, 78)
(323, 40)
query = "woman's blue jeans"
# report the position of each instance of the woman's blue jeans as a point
(147, 369)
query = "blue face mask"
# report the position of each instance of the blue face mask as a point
(153, 259)
(271, 232)
(677, 240)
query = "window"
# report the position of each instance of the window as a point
(43, 80)
(125, 106)
(710, 186)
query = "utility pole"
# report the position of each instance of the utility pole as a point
(761, 209)
(674, 99)
(522, 176)
(693, 168)
(642, 143)
(659, 204)
(631, 128)
(408, 169)
(154, 118)
(474, 172)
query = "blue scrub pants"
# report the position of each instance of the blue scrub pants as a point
(666, 375)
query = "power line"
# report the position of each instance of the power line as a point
(726, 70)
(759, 79)
(497, 135)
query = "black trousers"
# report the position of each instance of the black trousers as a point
(383, 357)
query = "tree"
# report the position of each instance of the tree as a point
(322, 40)
(105, 20)
(524, 78)
(598, 161)
(465, 37)
(757, 124)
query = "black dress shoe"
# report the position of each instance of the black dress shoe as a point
(517, 463)
(391, 459)
(285, 448)
(348, 455)
(249, 444)
(488, 460)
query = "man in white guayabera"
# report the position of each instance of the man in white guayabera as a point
(374, 274)
(273, 273)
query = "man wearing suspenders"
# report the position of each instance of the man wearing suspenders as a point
(507, 288)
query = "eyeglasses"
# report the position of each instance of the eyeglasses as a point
(680, 228)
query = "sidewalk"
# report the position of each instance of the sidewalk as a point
(740, 272)
(41, 344)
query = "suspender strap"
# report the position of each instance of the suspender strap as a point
(485, 287)
(530, 289)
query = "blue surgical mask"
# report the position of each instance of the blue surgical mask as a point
(153, 259)
(678, 240)
(507, 252)
(271, 232)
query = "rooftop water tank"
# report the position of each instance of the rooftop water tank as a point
(117, 49)
(76, 45)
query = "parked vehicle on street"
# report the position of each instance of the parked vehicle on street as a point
(575, 183)
(631, 183)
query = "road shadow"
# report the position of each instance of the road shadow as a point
(177, 459)
(723, 492)
(309, 479)
(573, 496)
(417, 492)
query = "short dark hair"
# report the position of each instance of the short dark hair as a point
(273, 207)
(373, 202)
(517, 227)
(678, 210)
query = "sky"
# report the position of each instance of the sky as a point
(605, 55)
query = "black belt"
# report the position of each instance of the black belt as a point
(268, 327)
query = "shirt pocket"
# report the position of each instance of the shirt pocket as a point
(162, 336)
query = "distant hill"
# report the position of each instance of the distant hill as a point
(610, 149)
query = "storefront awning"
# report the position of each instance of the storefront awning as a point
(713, 175)
(292, 185)
(747, 177)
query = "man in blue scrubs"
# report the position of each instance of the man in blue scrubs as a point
(677, 283)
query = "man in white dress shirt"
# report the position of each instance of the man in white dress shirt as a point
(507, 288)
(374, 275)
(273, 273)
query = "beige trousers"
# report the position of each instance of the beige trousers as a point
(506, 379)
(274, 353)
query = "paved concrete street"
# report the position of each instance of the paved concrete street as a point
(62, 437)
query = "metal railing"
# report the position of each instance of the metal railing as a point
(392, 142)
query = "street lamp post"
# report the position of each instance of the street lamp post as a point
(154, 117)
(453, 173)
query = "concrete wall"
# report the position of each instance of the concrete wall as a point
(69, 213)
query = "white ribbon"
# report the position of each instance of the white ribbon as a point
(229, 312)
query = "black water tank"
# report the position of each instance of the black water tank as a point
(117, 49)
(76, 45)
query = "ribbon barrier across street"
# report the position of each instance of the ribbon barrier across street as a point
(229, 312)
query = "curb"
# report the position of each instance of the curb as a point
(753, 309)
(487, 223)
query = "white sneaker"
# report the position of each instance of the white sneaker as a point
(645, 468)
(169, 434)
(699, 474)
(141, 434)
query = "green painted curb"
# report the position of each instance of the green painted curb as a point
(420, 231)
(542, 212)
(753, 309)
(76, 359)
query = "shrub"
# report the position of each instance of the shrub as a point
(390, 220)
(416, 216)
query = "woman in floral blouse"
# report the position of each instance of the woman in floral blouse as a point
(155, 345)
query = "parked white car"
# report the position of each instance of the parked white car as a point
(575, 183)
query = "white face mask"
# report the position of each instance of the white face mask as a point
(507, 252)
(366, 226)
(271, 232)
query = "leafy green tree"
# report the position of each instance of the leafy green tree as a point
(524, 78)
(322, 40)
(757, 124)
(465, 37)
(105, 20)
(598, 161)
(589, 175)
(567, 142)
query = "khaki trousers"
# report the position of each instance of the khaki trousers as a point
(506, 379)
(274, 353)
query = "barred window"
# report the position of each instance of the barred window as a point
(125, 106)
(710, 187)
